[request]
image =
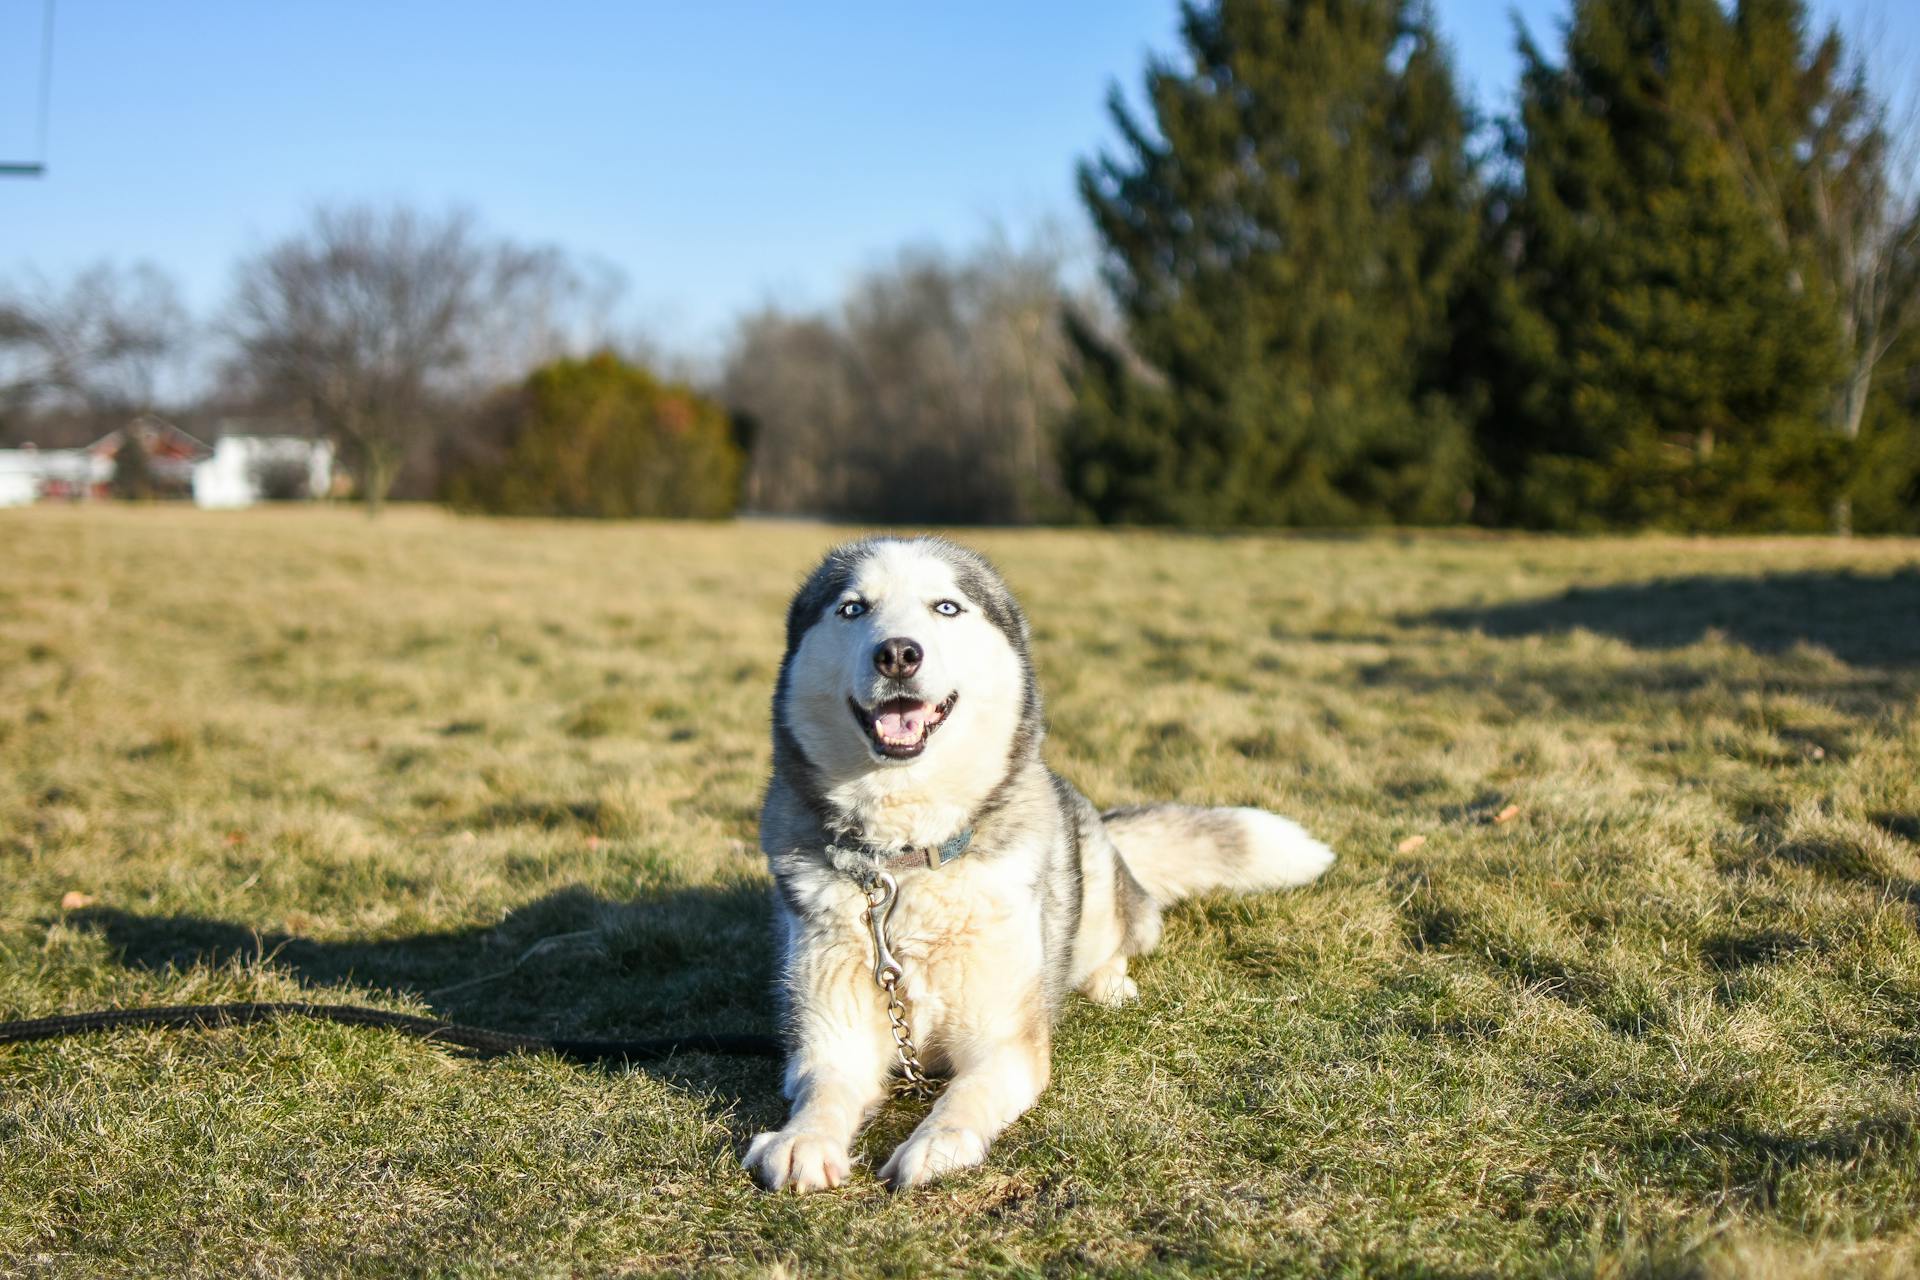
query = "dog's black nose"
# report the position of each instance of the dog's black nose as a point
(898, 658)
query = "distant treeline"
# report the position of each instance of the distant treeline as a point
(1677, 288)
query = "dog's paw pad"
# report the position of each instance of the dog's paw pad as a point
(930, 1153)
(783, 1161)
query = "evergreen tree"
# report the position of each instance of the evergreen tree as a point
(1885, 488)
(1816, 149)
(1283, 242)
(133, 478)
(1656, 359)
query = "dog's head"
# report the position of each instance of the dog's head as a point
(905, 654)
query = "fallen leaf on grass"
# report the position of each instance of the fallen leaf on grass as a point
(1410, 844)
(73, 900)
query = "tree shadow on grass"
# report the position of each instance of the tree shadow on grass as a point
(1864, 620)
(571, 964)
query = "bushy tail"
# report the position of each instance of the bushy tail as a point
(1175, 851)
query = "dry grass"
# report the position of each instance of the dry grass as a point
(1663, 1020)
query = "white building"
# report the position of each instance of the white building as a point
(28, 475)
(241, 469)
(248, 469)
(19, 477)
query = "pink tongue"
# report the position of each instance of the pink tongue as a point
(901, 726)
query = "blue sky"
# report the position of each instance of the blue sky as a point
(719, 153)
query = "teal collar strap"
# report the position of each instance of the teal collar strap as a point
(893, 861)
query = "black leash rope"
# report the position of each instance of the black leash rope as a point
(476, 1040)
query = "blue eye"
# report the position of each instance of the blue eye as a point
(947, 608)
(851, 609)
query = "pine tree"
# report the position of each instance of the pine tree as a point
(1282, 244)
(1816, 149)
(132, 468)
(1656, 360)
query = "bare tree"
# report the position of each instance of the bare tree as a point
(375, 320)
(790, 378)
(97, 345)
(542, 304)
(1022, 300)
(926, 396)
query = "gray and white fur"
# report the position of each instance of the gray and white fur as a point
(907, 712)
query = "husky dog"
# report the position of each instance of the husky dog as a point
(906, 736)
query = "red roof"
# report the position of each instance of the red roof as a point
(160, 438)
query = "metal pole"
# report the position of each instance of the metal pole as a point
(38, 168)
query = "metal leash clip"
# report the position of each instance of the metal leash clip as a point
(882, 892)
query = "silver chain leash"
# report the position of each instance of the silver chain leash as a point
(882, 891)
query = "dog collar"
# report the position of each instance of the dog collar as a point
(912, 857)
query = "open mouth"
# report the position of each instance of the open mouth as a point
(899, 727)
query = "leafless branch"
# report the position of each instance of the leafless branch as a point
(373, 320)
(99, 343)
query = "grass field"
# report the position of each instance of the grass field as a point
(1618, 974)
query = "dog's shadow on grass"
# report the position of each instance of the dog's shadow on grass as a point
(1861, 619)
(572, 964)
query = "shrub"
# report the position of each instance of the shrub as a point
(600, 437)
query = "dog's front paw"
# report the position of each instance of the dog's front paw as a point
(1111, 990)
(931, 1152)
(1109, 985)
(786, 1160)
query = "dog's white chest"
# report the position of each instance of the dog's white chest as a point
(969, 943)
